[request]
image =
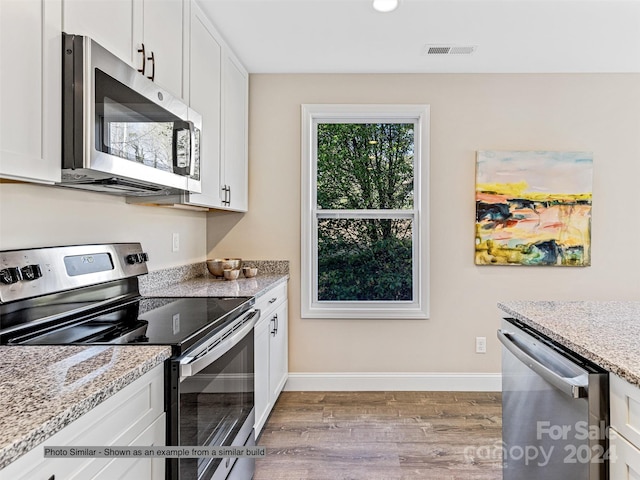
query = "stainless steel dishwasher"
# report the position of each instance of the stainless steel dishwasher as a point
(555, 409)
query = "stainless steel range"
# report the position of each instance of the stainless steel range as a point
(88, 294)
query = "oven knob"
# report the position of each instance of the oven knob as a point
(10, 275)
(133, 258)
(144, 256)
(31, 272)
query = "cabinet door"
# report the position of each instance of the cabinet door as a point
(204, 98)
(278, 352)
(107, 22)
(162, 33)
(234, 132)
(30, 75)
(624, 458)
(261, 365)
(138, 468)
(624, 400)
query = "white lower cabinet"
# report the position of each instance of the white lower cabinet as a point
(624, 438)
(261, 358)
(278, 352)
(133, 416)
(271, 352)
(624, 462)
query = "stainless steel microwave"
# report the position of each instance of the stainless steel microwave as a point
(121, 133)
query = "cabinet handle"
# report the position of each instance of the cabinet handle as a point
(273, 299)
(52, 477)
(152, 58)
(274, 330)
(227, 195)
(141, 70)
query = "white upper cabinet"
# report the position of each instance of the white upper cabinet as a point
(107, 22)
(205, 67)
(125, 26)
(163, 28)
(217, 87)
(30, 75)
(183, 53)
(235, 94)
(218, 90)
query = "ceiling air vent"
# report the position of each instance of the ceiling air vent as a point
(448, 49)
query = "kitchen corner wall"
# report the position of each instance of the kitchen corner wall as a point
(37, 216)
(469, 112)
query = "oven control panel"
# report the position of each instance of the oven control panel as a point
(40, 271)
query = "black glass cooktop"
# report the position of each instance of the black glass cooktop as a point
(179, 322)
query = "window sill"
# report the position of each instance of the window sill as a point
(374, 313)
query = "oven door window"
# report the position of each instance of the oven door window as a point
(215, 405)
(130, 126)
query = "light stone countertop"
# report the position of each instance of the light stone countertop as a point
(45, 388)
(210, 286)
(605, 332)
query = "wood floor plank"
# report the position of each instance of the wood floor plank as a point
(383, 436)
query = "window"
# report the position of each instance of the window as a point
(364, 215)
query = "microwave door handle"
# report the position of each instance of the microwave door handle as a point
(192, 149)
(182, 127)
(190, 366)
(568, 386)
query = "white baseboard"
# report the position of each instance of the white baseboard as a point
(365, 381)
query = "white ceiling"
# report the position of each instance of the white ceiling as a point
(348, 36)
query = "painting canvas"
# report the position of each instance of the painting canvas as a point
(533, 208)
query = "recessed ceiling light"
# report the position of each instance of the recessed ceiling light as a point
(385, 5)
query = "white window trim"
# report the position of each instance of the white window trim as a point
(419, 307)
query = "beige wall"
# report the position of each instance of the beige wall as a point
(598, 113)
(37, 215)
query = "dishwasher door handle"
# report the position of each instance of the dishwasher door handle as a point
(568, 386)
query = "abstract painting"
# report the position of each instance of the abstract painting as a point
(533, 208)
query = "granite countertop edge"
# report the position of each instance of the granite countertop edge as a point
(603, 350)
(43, 431)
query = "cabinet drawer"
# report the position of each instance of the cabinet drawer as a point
(624, 461)
(625, 408)
(268, 301)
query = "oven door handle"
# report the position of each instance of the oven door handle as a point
(575, 387)
(190, 366)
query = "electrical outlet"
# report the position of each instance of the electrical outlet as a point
(175, 242)
(481, 344)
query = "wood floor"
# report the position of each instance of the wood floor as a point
(382, 436)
